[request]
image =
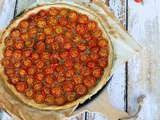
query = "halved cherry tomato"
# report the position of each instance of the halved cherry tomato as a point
(24, 24)
(29, 93)
(39, 64)
(71, 96)
(83, 19)
(81, 29)
(74, 52)
(70, 73)
(48, 79)
(52, 21)
(48, 30)
(63, 21)
(45, 55)
(15, 80)
(91, 64)
(27, 62)
(17, 54)
(48, 70)
(91, 25)
(8, 42)
(41, 23)
(68, 86)
(40, 46)
(73, 16)
(82, 46)
(60, 100)
(39, 98)
(29, 80)
(103, 52)
(77, 79)
(53, 11)
(81, 89)
(22, 72)
(50, 100)
(31, 70)
(19, 44)
(8, 52)
(21, 86)
(27, 53)
(41, 36)
(24, 36)
(34, 56)
(15, 33)
(102, 43)
(103, 62)
(89, 81)
(57, 91)
(67, 45)
(37, 86)
(97, 72)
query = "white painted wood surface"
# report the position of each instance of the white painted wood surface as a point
(144, 70)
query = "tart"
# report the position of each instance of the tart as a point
(55, 56)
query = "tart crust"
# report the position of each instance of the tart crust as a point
(101, 83)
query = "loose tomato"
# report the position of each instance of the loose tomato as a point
(50, 100)
(80, 29)
(81, 89)
(39, 76)
(89, 81)
(73, 16)
(97, 72)
(21, 86)
(83, 19)
(60, 100)
(19, 44)
(91, 25)
(6, 62)
(68, 86)
(57, 91)
(77, 79)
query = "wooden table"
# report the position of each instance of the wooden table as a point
(140, 75)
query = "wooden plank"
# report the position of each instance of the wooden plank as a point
(7, 8)
(116, 89)
(144, 70)
(6, 12)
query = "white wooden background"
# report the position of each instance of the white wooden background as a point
(140, 75)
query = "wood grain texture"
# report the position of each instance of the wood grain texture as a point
(6, 12)
(144, 69)
(116, 88)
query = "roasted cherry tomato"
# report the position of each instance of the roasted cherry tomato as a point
(83, 19)
(17, 54)
(29, 93)
(81, 29)
(91, 25)
(15, 80)
(57, 91)
(27, 62)
(70, 73)
(34, 56)
(49, 79)
(24, 24)
(74, 52)
(103, 52)
(53, 11)
(31, 70)
(24, 36)
(50, 100)
(22, 72)
(41, 23)
(37, 86)
(15, 34)
(39, 76)
(27, 53)
(71, 96)
(29, 80)
(19, 44)
(73, 16)
(48, 70)
(91, 64)
(68, 86)
(39, 64)
(40, 46)
(103, 62)
(60, 100)
(77, 79)
(21, 86)
(81, 89)
(97, 72)
(89, 81)
(102, 43)
(48, 30)
(39, 98)
(41, 36)
(8, 52)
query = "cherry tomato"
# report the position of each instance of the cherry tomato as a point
(81, 89)
(83, 19)
(89, 81)
(32, 32)
(8, 42)
(29, 80)
(80, 29)
(31, 70)
(50, 100)
(68, 63)
(52, 21)
(27, 62)
(15, 80)
(24, 24)
(77, 39)
(82, 46)
(103, 52)
(49, 39)
(102, 43)
(103, 62)
(55, 46)
(67, 46)
(24, 36)
(39, 98)
(59, 38)
(17, 54)
(68, 86)
(15, 33)
(45, 55)
(91, 25)
(94, 56)
(8, 52)
(74, 52)
(58, 29)
(21, 86)
(97, 33)
(77, 79)
(73, 16)
(48, 79)
(39, 64)
(97, 72)
(41, 23)
(63, 12)
(41, 36)
(60, 100)
(57, 91)
(27, 53)
(37, 86)
(60, 78)
(40, 46)
(34, 56)
(53, 11)
(19, 44)
(63, 21)
(71, 96)
(70, 73)
(91, 64)
(39, 76)
(29, 93)
(48, 70)
(22, 72)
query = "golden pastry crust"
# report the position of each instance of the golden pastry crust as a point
(82, 99)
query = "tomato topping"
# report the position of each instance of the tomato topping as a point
(39, 98)
(83, 19)
(40, 46)
(48, 79)
(39, 76)
(67, 46)
(82, 46)
(29, 80)
(77, 79)
(91, 64)
(74, 52)
(37, 86)
(52, 20)
(14, 80)
(71, 96)
(41, 23)
(103, 62)
(57, 91)
(59, 38)
(39, 64)
(68, 86)
(17, 54)
(32, 32)
(15, 34)
(73, 16)
(27, 53)
(102, 43)
(97, 72)
(45, 56)
(80, 29)
(19, 44)
(41, 36)
(89, 81)
(70, 73)
(34, 56)
(60, 100)
(63, 21)
(63, 12)
(8, 53)
(58, 29)
(53, 11)
(80, 89)
(22, 72)
(68, 63)
(91, 25)
(31, 70)
(8, 42)
(24, 24)
(24, 36)
(49, 39)
(29, 93)
(103, 52)
(27, 62)
(48, 70)
(50, 100)
(21, 86)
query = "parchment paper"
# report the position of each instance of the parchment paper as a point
(124, 48)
